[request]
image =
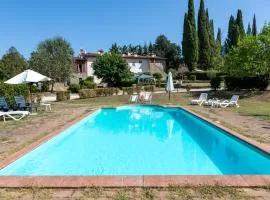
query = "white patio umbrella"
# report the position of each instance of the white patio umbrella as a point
(28, 76)
(170, 86)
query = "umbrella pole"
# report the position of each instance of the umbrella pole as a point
(169, 96)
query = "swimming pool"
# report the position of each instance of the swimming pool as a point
(141, 140)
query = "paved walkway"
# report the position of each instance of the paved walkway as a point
(52, 97)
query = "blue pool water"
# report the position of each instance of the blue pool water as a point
(141, 140)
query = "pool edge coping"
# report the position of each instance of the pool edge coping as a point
(130, 181)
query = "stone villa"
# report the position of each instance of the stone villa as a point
(83, 65)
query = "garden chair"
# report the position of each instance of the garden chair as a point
(15, 115)
(147, 98)
(133, 99)
(21, 103)
(202, 99)
(3, 104)
(232, 102)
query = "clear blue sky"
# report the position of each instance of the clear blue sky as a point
(96, 25)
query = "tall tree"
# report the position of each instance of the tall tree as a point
(219, 40)
(212, 42)
(203, 36)
(185, 36)
(12, 63)
(233, 35)
(140, 50)
(169, 50)
(254, 26)
(151, 48)
(145, 49)
(115, 48)
(53, 58)
(249, 31)
(124, 49)
(240, 24)
(191, 40)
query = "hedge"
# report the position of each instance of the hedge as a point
(9, 91)
(137, 89)
(260, 82)
(206, 75)
(98, 92)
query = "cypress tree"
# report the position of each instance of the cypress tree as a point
(219, 40)
(145, 49)
(254, 26)
(240, 24)
(184, 38)
(212, 42)
(191, 56)
(233, 35)
(203, 36)
(151, 48)
(249, 31)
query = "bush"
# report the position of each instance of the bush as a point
(90, 78)
(62, 95)
(9, 91)
(211, 75)
(74, 88)
(188, 87)
(128, 83)
(87, 84)
(215, 82)
(87, 93)
(98, 92)
(149, 88)
(206, 75)
(157, 76)
(260, 82)
(192, 77)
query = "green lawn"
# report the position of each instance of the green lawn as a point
(255, 107)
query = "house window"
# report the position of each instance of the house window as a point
(140, 61)
(133, 64)
(80, 69)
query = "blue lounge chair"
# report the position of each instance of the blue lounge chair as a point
(21, 103)
(3, 104)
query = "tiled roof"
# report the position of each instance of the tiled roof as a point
(88, 55)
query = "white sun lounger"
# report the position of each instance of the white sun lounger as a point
(133, 98)
(15, 115)
(232, 102)
(201, 100)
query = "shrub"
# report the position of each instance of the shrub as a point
(215, 82)
(260, 82)
(62, 95)
(149, 88)
(98, 92)
(87, 93)
(90, 78)
(87, 84)
(128, 90)
(211, 75)
(9, 91)
(192, 77)
(128, 83)
(188, 87)
(74, 88)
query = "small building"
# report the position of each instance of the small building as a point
(83, 65)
